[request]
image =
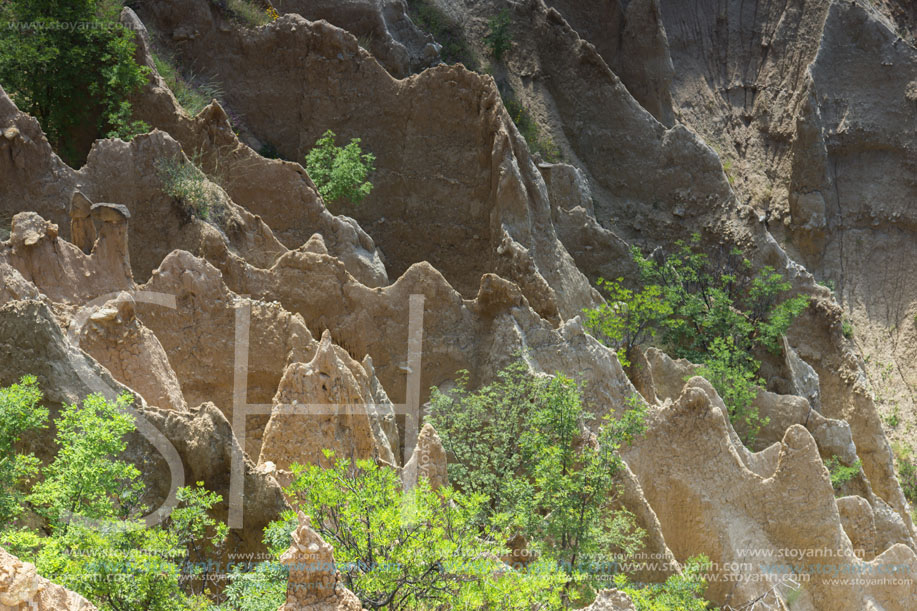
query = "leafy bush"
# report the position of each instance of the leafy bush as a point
(455, 48)
(186, 183)
(520, 444)
(415, 550)
(841, 473)
(713, 311)
(682, 592)
(19, 413)
(907, 470)
(627, 318)
(247, 12)
(847, 329)
(340, 174)
(71, 65)
(542, 145)
(499, 38)
(85, 489)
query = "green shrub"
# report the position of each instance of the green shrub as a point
(340, 173)
(542, 145)
(455, 47)
(907, 470)
(712, 310)
(117, 566)
(847, 329)
(20, 413)
(193, 94)
(247, 12)
(499, 38)
(682, 592)
(187, 184)
(519, 443)
(71, 77)
(627, 318)
(731, 372)
(841, 473)
(415, 550)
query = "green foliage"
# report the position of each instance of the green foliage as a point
(340, 174)
(455, 48)
(415, 550)
(84, 545)
(520, 443)
(627, 318)
(731, 372)
(907, 470)
(20, 413)
(542, 145)
(247, 12)
(841, 473)
(712, 310)
(499, 38)
(847, 329)
(70, 65)
(192, 93)
(184, 181)
(682, 592)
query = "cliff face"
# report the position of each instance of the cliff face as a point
(786, 128)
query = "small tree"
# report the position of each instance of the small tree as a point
(712, 310)
(499, 38)
(522, 441)
(70, 64)
(89, 542)
(627, 318)
(19, 413)
(416, 550)
(340, 174)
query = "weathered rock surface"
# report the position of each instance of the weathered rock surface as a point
(314, 583)
(611, 600)
(22, 589)
(383, 26)
(334, 391)
(279, 192)
(709, 510)
(476, 191)
(428, 460)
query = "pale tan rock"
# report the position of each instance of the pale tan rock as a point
(132, 353)
(335, 396)
(428, 460)
(498, 219)
(314, 583)
(611, 600)
(726, 509)
(82, 229)
(382, 25)
(22, 589)
(859, 524)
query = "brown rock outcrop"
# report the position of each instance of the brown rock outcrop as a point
(730, 512)
(334, 390)
(314, 584)
(428, 460)
(382, 25)
(278, 191)
(22, 589)
(495, 214)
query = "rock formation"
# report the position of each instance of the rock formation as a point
(314, 584)
(22, 589)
